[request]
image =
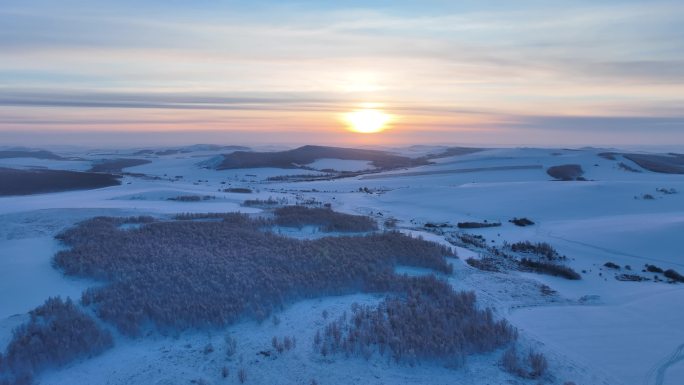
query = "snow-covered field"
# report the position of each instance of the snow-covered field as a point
(597, 330)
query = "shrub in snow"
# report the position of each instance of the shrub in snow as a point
(57, 333)
(197, 273)
(283, 345)
(231, 346)
(522, 222)
(242, 375)
(427, 319)
(533, 365)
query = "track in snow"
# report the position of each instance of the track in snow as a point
(656, 375)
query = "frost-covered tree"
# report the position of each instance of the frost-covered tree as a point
(217, 268)
(56, 333)
(425, 320)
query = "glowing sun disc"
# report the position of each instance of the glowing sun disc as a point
(367, 121)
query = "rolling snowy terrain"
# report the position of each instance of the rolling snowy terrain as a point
(595, 330)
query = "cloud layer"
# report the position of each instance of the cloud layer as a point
(458, 69)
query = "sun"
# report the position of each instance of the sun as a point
(367, 120)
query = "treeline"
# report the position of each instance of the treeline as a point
(196, 273)
(56, 333)
(550, 268)
(270, 202)
(428, 320)
(477, 225)
(191, 198)
(295, 216)
(238, 190)
(327, 219)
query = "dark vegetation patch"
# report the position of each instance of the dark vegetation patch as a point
(540, 249)
(175, 275)
(265, 203)
(213, 217)
(188, 149)
(631, 278)
(566, 172)
(477, 225)
(36, 154)
(427, 321)
(57, 333)
(673, 275)
(522, 222)
(531, 365)
(539, 258)
(453, 151)
(626, 167)
(608, 155)
(653, 269)
(311, 177)
(549, 268)
(665, 164)
(476, 240)
(191, 198)
(431, 225)
(116, 165)
(485, 264)
(301, 156)
(239, 190)
(38, 181)
(327, 219)
(666, 191)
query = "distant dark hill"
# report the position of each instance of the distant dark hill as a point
(566, 172)
(666, 164)
(189, 149)
(26, 182)
(307, 154)
(454, 151)
(37, 154)
(116, 165)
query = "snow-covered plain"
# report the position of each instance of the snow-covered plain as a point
(594, 331)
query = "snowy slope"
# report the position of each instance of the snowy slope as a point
(626, 333)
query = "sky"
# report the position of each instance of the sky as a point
(562, 73)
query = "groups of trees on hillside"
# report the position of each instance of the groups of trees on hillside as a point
(327, 219)
(541, 249)
(56, 333)
(427, 319)
(197, 273)
(550, 268)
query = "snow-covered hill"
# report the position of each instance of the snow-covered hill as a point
(598, 330)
